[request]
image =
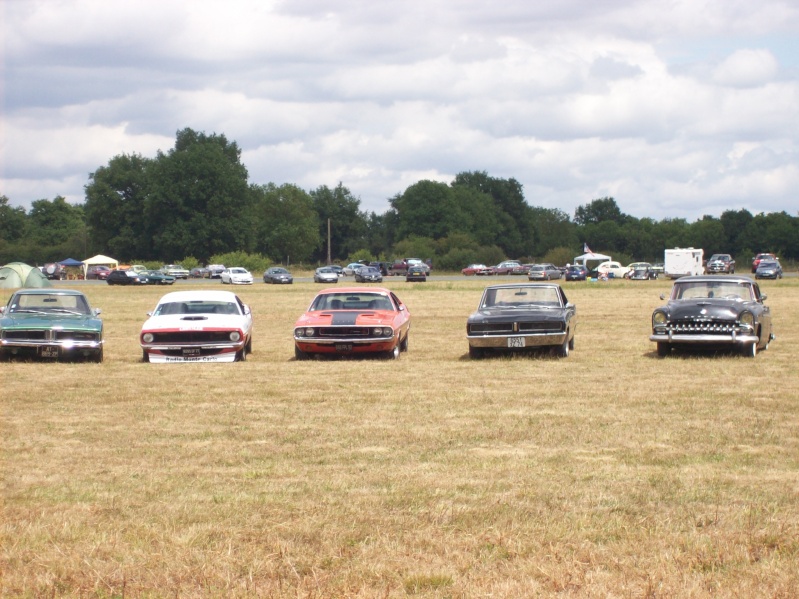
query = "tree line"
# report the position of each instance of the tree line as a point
(195, 202)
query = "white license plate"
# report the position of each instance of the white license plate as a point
(191, 351)
(344, 347)
(516, 342)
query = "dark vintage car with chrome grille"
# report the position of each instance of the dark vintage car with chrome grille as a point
(197, 326)
(713, 312)
(353, 321)
(50, 323)
(518, 317)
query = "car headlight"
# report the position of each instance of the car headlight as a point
(309, 332)
(147, 337)
(659, 318)
(235, 336)
(747, 319)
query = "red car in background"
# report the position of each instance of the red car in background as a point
(477, 269)
(353, 321)
(98, 272)
(757, 259)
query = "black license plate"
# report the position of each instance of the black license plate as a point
(191, 351)
(49, 352)
(343, 347)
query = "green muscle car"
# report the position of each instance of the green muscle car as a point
(50, 323)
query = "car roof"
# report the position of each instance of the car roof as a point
(514, 285)
(186, 296)
(48, 291)
(711, 278)
(381, 290)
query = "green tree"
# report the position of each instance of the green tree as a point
(597, 211)
(286, 223)
(199, 202)
(115, 203)
(348, 230)
(708, 234)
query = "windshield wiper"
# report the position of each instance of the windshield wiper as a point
(65, 311)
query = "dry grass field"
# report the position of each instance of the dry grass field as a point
(608, 474)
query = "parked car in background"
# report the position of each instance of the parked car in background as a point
(277, 275)
(215, 270)
(544, 272)
(351, 268)
(50, 323)
(476, 270)
(199, 272)
(416, 272)
(236, 276)
(522, 269)
(338, 269)
(368, 274)
(137, 268)
(54, 271)
(764, 256)
(642, 271)
(768, 269)
(720, 264)
(175, 270)
(576, 272)
(522, 316)
(612, 269)
(353, 321)
(506, 267)
(325, 274)
(98, 272)
(197, 326)
(400, 267)
(156, 277)
(712, 312)
(124, 277)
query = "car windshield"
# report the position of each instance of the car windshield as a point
(278, 271)
(352, 301)
(767, 264)
(196, 307)
(515, 297)
(238, 271)
(50, 303)
(369, 270)
(712, 289)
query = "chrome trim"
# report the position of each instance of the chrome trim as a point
(501, 341)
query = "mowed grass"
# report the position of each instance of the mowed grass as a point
(609, 474)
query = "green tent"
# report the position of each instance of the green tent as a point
(18, 274)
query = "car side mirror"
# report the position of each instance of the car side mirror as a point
(763, 297)
(246, 309)
(149, 313)
(662, 296)
(97, 311)
(2, 309)
(402, 307)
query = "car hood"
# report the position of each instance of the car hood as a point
(195, 322)
(710, 308)
(347, 318)
(514, 314)
(47, 321)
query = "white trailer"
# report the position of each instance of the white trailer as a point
(681, 262)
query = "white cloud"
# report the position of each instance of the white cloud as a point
(630, 98)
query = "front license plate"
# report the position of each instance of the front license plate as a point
(343, 347)
(191, 351)
(516, 342)
(48, 352)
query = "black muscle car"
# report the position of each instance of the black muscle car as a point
(713, 312)
(522, 316)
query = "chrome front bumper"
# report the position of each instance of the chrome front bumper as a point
(517, 341)
(706, 339)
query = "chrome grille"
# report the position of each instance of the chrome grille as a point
(344, 332)
(192, 337)
(688, 327)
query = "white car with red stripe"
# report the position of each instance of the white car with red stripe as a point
(197, 326)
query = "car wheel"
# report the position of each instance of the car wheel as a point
(571, 343)
(241, 356)
(145, 357)
(749, 350)
(248, 347)
(98, 356)
(475, 353)
(393, 354)
(664, 349)
(563, 350)
(404, 342)
(300, 355)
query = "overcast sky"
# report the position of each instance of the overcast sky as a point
(676, 108)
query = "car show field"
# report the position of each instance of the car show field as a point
(612, 473)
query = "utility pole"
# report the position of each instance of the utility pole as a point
(329, 260)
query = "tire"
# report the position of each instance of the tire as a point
(404, 342)
(563, 349)
(97, 356)
(749, 350)
(571, 344)
(145, 357)
(475, 353)
(248, 347)
(393, 354)
(664, 349)
(300, 355)
(241, 356)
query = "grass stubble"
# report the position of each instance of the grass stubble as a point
(609, 474)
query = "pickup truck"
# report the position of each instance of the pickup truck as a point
(400, 267)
